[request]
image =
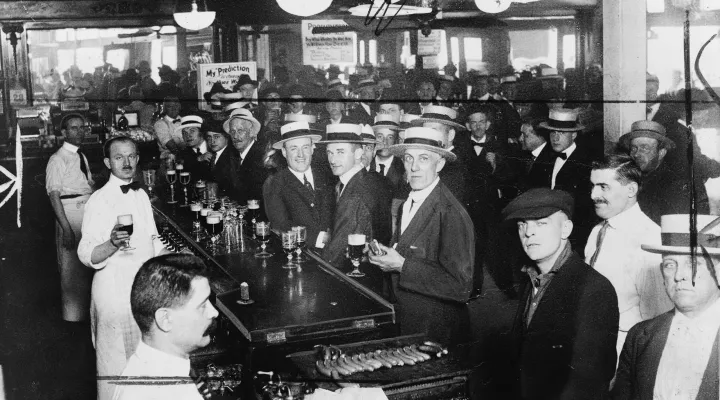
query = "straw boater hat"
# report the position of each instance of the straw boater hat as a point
(364, 83)
(295, 130)
(648, 129)
(242, 113)
(440, 114)
(675, 232)
(563, 120)
(309, 118)
(343, 133)
(385, 121)
(334, 84)
(189, 121)
(367, 133)
(423, 138)
(508, 79)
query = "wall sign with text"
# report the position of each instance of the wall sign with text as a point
(327, 48)
(225, 73)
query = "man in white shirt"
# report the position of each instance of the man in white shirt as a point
(432, 262)
(69, 183)
(169, 138)
(170, 301)
(675, 355)
(115, 334)
(613, 247)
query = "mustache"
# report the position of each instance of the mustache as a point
(211, 328)
(599, 201)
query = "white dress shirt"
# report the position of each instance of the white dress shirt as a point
(478, 150)
(413, 203)
(147, 367)
(686, 355)
(202, 147)
(302, 175)
(345, 178)
(165, 131)
(366, 107)
(387, 163)
(63, 173)
(114, 331)
(538, 150)
(634, 273)
(246, 151)
(218, 154)
(559, 162)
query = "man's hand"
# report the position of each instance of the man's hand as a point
(68, 238)
(392, 261)
(492, 159)
(205, 157)
(117, 237)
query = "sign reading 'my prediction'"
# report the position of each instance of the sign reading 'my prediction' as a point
(227, 74)
(327, 48)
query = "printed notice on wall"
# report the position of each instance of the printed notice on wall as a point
(429, 45)
(226, 74)
(327, 48)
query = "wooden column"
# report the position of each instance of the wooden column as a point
(624, 65)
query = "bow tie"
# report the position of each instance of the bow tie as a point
(476, 144)
(134, 186)
(561, 155)
(176, 121)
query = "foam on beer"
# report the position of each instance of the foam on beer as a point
(125, 219)
(179, 167)
(253, 204)
(356, 239)
(196, 207)
(184, 174)
(213, 219)
(170, 172)
(204, 211)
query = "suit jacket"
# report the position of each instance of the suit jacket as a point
(640, 359)
(667, 191)
(382, 206)
(482, 182)
(395, 175)
(252, 173)
(437, 276)
(197, 169)
(353, 214)
(568, 349)
(360, 116)
(225, 173)
(454, 175)
(289, 203)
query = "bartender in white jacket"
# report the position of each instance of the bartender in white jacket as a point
(114, 331)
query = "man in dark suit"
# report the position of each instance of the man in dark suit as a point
(363, 112)
(223, 161)
(571, 166)
(382, 221)
(193, 155)
(675, 355)
(432, 264)
(243, 128)
(354, 196)
(298, 195)
(567, 320)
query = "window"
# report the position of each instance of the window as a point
(473, 53)
(569, 51)
(372, 51)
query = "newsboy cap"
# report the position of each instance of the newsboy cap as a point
(539, 203)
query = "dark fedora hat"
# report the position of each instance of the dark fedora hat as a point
(244, 80)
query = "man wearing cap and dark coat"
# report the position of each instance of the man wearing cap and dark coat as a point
(665, 188)
(566, 325)
(354, 195)
(250, 170)
(675, 355)
(297, 195)
(432, 262)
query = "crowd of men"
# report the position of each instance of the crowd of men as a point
(448, 190)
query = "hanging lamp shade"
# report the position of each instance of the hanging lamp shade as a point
(493, 6)
(304, 8)
(194, 20)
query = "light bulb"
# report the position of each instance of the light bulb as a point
(493, 6)
(304, 8)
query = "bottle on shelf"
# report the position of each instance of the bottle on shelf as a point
(122, 123)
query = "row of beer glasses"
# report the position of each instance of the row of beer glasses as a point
(293, 243)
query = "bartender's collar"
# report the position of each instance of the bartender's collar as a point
(114, 180)
(345, 178)
(202, 147)
(70, 147)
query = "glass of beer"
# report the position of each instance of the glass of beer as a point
(214, 224)
(289, 243)
(253, 213)
(171, 177)
(262, 231)
(184, 181)
(195, 208)
(301, 238)
(200, 192)
(127, 225)
(356, 246)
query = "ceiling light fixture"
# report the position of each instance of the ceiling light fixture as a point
(389, 9)
(493, 6)
(304, 8)
(195, 20)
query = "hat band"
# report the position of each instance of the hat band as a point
(190, 124)
(437, 116)
(683, 240)
(294, 134)
(386, 123)
(553, 123)
(349, 136)
(429, 142)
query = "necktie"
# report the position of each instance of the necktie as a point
(480, 145)
(412, 204)
(338, 190)
(382, 169)
(307, 184)
(212, 159)
(600, 238)
(135, 185)
(197, 151)
(201, 385)
(83, 167)
(530, 164)
(561, 156)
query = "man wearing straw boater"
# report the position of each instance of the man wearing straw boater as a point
(675, 355)
(433, 257)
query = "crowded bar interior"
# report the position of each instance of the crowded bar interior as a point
(359, 199)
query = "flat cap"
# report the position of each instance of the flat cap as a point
(539, 203)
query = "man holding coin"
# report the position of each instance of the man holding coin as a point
(433, 259)
(116, 250)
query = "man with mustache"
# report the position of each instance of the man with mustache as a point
(613, 247)
(114, 332)
(675, 355)
(170, 301)
(566, 324)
